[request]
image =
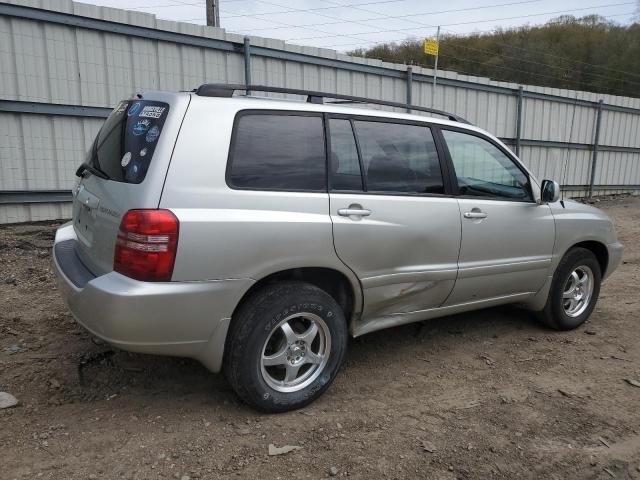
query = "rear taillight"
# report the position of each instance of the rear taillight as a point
(146, 245)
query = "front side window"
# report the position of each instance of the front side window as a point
(483, 169)
(399, 158)
(278, 152)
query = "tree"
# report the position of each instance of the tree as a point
(587, 53)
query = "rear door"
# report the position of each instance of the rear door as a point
(507, 238)
(394, 223)
(131, 153)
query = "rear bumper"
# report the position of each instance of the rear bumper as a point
(187, 319)
(615, 257)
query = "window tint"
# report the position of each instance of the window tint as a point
(483, 169)
(124, 146)
(345, 166)
(278, 152)
(399, 158)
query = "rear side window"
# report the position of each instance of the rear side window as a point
(124, 146)
(278, 152)
(399, 158)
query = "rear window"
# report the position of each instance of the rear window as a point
(124, 146)
(278, 152)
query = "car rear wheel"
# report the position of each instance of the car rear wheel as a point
(574, 290)
(285, 346)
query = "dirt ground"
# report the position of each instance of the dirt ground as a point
(485, 395)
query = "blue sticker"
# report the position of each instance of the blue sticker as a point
(153, 134)
(141, 127)
(135, 108)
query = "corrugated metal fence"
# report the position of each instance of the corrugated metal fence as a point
(64, 65)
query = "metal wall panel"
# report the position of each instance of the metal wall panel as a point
(63, 61)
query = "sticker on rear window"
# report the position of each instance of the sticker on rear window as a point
(135, 108)
(152, 111)
(153, 134)
(122, 106)
(141, 127)
(126, 158)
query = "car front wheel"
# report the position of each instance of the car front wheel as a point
(574, 290)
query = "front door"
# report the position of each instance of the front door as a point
(507, 238)
(393, 224)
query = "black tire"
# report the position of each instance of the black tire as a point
(255, 322)
(554, 314)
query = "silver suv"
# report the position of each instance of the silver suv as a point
(257, 234)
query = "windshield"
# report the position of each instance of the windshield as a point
(124, 146)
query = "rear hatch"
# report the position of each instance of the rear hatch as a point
(125, 169)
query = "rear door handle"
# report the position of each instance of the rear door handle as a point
(358, 212)
(475, 214)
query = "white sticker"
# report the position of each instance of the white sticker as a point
(126, 158)
(143, 152)
(151, 111)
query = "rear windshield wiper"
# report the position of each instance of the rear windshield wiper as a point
(85, 167)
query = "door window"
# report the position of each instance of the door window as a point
(399, 158)
(278, 152)
(483, 169)
(345, 166)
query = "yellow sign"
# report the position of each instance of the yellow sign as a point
(431, 47)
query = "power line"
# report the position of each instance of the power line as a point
(502, 55)
(316, 9)
(461, 23)
(394, 17)
(484, 21)
(289, 25)
(326, 34)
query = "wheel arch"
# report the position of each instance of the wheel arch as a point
(599, 249)
(344, 289)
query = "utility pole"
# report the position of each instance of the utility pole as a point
(213, 13)
(435, 68)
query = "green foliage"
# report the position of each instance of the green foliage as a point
(588, 53)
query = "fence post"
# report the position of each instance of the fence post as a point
(247, 63)
(409, 87)
(596, 140)
(519, 120)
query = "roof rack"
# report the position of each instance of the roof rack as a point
(227, 90)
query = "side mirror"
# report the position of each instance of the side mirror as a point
(550, 191)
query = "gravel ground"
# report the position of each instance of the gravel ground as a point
(490, 394)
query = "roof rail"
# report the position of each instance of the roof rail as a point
(227, 90)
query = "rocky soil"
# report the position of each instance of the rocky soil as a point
(476, 396)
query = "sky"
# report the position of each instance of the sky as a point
(349, 24)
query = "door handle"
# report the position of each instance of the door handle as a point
(359, 212)
(473, 214)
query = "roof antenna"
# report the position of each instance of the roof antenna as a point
(566, 152)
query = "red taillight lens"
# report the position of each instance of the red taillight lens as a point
(146, 245)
